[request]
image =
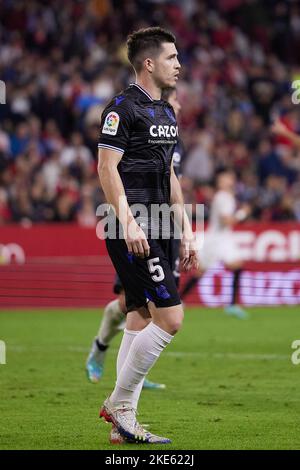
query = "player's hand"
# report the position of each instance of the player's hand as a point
(278, 128)
(247, 208)
(243, 212)
(189, 258)
(136, 241)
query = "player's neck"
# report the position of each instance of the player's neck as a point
(226, 190)
(149, 87)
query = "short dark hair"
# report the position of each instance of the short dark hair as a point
(146, 41)
(222, 170)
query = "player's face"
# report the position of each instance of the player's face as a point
(166, 66)
(174, 102)
(227, 182)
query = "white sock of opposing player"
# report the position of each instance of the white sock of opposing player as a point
(126, 342)
(113, 317)
(145, 349)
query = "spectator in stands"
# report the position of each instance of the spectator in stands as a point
(61, 64)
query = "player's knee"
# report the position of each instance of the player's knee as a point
(174, 327)
(174, 323)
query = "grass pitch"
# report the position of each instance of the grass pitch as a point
(230, 383)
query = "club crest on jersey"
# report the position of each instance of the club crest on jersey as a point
(111, 123)
(176, 157)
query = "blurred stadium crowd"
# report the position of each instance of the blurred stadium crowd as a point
(62, 61)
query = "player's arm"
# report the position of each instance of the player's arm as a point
(113, 189)
(239, 216)
(189, 252)
(279, 128)
(227, 220)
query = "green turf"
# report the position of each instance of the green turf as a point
(230, 383)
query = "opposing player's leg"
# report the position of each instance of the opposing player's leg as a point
(234, 308)
(112, 323)
(208, 256)
(190, 283)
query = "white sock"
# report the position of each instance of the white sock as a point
(145, 349)
(110, 324)
(127, 340)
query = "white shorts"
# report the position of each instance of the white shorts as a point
(218, 247)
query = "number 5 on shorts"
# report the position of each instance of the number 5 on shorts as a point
(157, 269)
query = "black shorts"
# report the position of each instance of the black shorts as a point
(145, 279)
(175, 261)
(118, 286)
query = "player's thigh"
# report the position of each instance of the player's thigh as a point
(168, 319)
(211, 251)
(137, 320)
(231, 254)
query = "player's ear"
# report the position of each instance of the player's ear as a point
(149, 65)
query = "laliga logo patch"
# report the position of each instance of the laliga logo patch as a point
(111, 123)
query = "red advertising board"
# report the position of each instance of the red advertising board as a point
(67, 265)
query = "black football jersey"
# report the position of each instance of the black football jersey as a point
(145, 131)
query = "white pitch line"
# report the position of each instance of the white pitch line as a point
(179, 354)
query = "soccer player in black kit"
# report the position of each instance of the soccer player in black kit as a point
(137, 138)
(114, 318)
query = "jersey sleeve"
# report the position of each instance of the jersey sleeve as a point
(178, 157)
(116, 124)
